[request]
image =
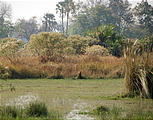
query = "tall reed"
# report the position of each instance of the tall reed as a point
(139, 68)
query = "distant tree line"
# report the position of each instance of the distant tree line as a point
(109, 23)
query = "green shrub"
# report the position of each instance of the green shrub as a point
(97, 50)
(109, 38)
(10, 112)
(37, 109)
(4, 72)
(100, 110)
(69, 51)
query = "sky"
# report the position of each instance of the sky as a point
(29, 8)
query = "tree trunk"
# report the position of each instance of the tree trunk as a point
(62, 20)
(67, 25)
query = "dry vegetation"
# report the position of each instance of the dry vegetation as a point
(139, 68)
(65, 66)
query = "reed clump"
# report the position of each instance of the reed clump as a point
(139, 68)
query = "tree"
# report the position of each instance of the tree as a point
(69, 8)
(5, 11)
(144, 13)
(49, 22)
(93, 3)
(60, 9)
(25, 28)
(91, 18)
(121, 10)
(66, 7)
(109, 38)
(5, 24)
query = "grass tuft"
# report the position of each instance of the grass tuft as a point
(37, 109)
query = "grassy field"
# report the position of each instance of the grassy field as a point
(65, 95)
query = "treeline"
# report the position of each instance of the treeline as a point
(79, 17)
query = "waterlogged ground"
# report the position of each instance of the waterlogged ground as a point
(72, 97)
(75, 112)
(22, 101)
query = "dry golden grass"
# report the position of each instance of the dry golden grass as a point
(67, 66)
(139, 68)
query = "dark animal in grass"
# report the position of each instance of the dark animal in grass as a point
(80, 76)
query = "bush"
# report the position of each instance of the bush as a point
(33, 111)
(9, 46)
(100, 110)
(46, 43)
(4, 72)
(109, 38)
(78, 43)
(37, 109)
(69, 51)
(97, 50)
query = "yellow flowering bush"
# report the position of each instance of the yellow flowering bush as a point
(9, 47)
(97, 50)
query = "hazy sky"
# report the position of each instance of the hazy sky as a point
(29, 8)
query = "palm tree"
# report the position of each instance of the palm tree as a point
(50, 22)
(60, 8)
(69, 8)
(65, 8)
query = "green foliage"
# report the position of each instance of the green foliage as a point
(121, 9)
(91, 18)
(144, 12)
(10, 112)
(100, 110)
(109, 38)
(37, 109)
(78, 43)
(117, 113)
(6, 26)
(65, 8)
(49, 22)
(33, 111)
(4, 72)
(69, 50)
(46, 44)
(97, 50)
(25, 28)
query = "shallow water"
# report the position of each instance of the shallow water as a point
(22, 101)
(74, 113)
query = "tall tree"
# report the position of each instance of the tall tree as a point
(66, 7)
(49, 22)
(25, 28)
(69, 8)
(144, 14)
(91, 18)
(60, 9)
(5, 20)
(122, 10)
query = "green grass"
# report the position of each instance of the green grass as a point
(61, 95)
